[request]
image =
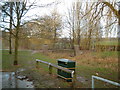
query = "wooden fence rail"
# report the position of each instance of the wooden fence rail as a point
(50, 65)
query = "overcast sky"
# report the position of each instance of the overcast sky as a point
(61, 7)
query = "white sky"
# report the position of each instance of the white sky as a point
(61, 8)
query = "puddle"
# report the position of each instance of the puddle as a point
(11, 80)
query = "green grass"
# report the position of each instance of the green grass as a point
(108, 43)
(7, 60)
(96, 66)
(87, 70)
(24, 59)
(83, 68)
(43, 57)
(107, 54)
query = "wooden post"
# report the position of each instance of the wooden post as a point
(116, 48)
(50, 69)
(105, 47)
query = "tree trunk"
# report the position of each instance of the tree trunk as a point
(16, 48)
(78, 22)
(16, 35)
(73, 41)
(73, 31)
(55, 36)
(119, 15)
(89, 39)
(73, 46)
(78, 37)
(10, 41)
(119, 30)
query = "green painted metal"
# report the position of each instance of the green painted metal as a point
(66, 64)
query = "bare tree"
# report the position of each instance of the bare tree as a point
(10, 37)
(56, 25)
(70, 24)
(19, 11)
(7, 12)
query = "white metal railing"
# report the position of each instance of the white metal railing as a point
(104, 80)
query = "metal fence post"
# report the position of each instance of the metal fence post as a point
(104, 80)
(73, 78)
(92, 83)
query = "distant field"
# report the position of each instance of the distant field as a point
(108, 43)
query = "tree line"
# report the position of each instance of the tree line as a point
(85, 22)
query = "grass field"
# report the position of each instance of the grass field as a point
(108, 43)
(27, 61)
(103, 64)
(7, 60)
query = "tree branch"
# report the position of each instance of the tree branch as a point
(112, 8)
